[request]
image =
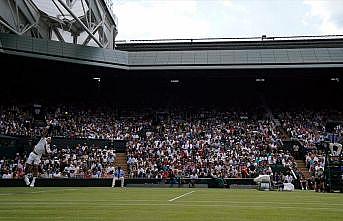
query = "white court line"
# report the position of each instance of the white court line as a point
(178, 197)
(35, 192)
(261, 202)
(156, 200)
(36, 217)
(104, 206)
(113, 202)
(43, 191)
(50, 191)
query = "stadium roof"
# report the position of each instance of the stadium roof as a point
(84, 22)
(56, 10)
(262, 42)
(322, 53)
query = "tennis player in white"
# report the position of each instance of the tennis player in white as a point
(32, 162)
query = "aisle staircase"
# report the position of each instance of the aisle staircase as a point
(121, 161)
(271, 116)
(302, 167)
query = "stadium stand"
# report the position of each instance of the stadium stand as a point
(203, 144)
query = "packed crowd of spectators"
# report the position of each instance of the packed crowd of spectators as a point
(306, 126)
(309, 126)
(209, 147)
(315, 160)
(12, 168)
(315, 163)
(201, 144)
(17, 121)
(80, 161)
(311, 129)
(68, 122)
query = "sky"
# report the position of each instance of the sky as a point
(174, 19)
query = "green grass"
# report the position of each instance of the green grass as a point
(153, 204)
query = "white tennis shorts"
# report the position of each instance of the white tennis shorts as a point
(33, 159)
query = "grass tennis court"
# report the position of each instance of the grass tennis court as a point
(166, 204)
